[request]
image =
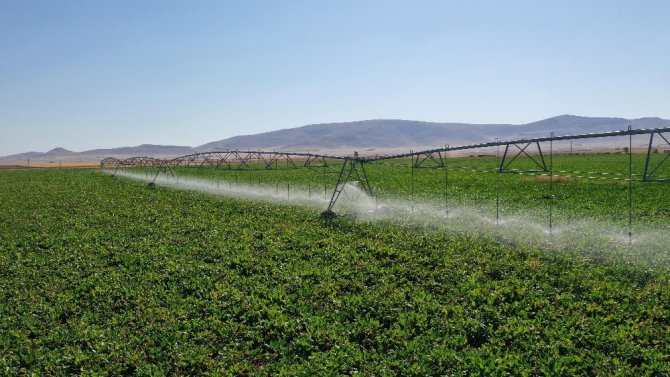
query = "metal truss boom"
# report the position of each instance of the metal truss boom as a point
(648, 174)
(541, 164)
(641, 131)
(252, 160)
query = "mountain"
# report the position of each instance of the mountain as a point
(371, 136)
(60, 152)
(146, 150)
(392, 135)
(571, 125)
(64, 155)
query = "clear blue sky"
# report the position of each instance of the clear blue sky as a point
(93, 74)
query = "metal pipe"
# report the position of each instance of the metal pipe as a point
(551, 184)
(412, 183)
(630, 187)
(645, 177)
(446, 183)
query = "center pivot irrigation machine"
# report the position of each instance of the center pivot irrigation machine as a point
(350, 169)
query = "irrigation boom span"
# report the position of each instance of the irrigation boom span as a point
(353, 167)
(640, 131)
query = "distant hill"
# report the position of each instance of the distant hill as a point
(388, 135)
(368, 136)
(376, 134)
(61, 154)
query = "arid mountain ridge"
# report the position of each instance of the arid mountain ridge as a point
(368, 136)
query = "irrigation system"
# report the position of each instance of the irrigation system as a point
(352, 168)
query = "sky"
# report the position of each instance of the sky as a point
(101, 74)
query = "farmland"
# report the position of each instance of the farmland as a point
(102, 275)
(46, 165)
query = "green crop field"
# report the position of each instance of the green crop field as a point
(102, 275)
